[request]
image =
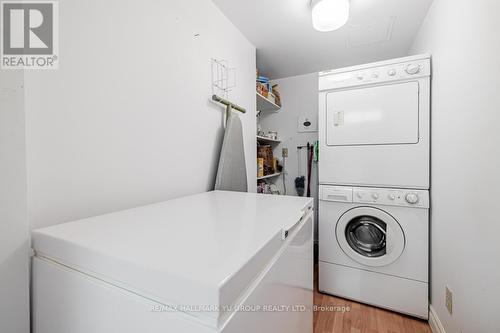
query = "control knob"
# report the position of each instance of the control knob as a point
(391, 72)
(391, 197)
(412, 69)
(375, 196)
(412, 198)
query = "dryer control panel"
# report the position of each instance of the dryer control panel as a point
(376, 74)
(391, 197)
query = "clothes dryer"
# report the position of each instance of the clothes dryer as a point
(374, 124)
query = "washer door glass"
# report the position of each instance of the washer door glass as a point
(370, 236)
(367, 236)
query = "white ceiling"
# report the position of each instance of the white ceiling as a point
(287, 45)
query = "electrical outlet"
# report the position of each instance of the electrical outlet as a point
(284, 152)
(449, 299)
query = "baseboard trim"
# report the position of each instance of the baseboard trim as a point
(434, 321)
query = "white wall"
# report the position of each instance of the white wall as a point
(126, 120)
(465, 249)
(14, 239)
(299, 95)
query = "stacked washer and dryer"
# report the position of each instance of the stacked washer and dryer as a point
(374, 183)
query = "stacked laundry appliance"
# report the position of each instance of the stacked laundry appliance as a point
(374, 175)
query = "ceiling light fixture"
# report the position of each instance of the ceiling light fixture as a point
(329, 15)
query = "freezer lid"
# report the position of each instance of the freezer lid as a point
(191, 252)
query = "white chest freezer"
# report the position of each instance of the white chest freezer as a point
(212, 262)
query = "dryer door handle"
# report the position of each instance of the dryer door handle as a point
(338, 118)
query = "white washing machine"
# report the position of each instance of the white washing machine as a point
(374, 246)
(374, 124)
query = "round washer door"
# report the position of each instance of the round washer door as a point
(370, 236)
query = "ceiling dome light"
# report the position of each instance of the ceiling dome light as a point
(329, 15)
